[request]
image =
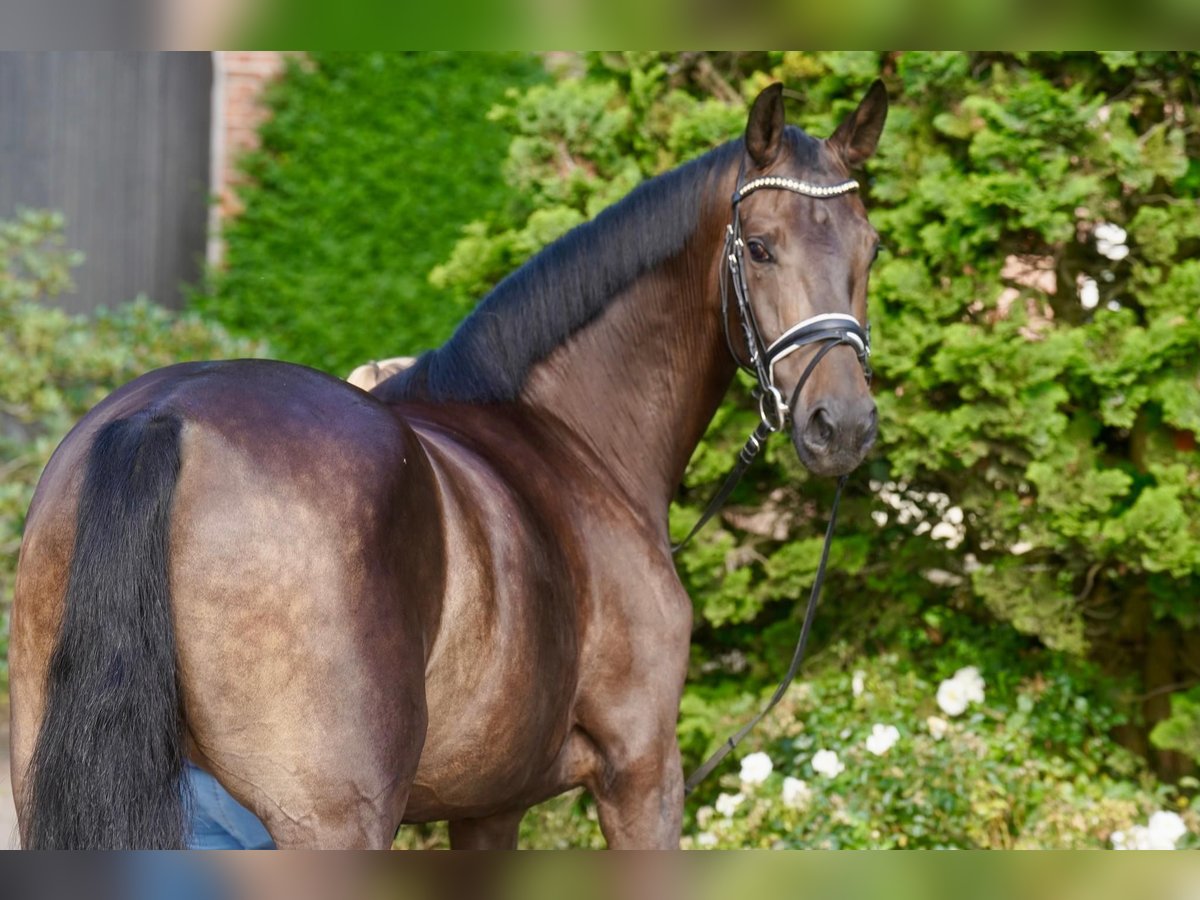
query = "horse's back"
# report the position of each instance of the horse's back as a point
(292, 642)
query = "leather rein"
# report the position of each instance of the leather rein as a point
(829, 330)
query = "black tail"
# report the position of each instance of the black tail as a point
(106, 771)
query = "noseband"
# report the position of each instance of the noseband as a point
(829, 330)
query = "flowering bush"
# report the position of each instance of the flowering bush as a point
(838, 777)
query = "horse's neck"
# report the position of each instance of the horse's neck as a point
(640, 384)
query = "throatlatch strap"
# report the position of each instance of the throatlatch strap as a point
(797, 657)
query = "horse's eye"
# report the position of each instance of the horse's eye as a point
(875, 252)
(758, 251)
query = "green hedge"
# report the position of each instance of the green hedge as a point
(369, 167)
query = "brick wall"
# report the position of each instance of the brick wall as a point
(238, 81)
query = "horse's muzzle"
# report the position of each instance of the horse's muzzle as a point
(833, 437)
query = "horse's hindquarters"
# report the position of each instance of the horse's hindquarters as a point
(298, 615)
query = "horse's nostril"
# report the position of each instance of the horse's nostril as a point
(820, 428)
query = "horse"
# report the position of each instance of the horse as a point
(452, 597)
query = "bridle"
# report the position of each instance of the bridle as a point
(829, 330)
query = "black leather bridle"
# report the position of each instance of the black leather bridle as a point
(828, 330)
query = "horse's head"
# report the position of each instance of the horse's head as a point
(805, 253)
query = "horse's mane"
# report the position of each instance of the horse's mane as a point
(563, 288)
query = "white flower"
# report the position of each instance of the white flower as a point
(706, 839)
(937, 727)
(796, 793)
(703, 816)
(1127, 840)
(952, 697)
(954, 515)
(1020, 548)
(1139, 837)
(1089, 293)
(972, 683)
(857, 685)
(826, 762)
(956, 693)
(727, 804)
(755, 768)
(882, 739)
(1109, 233)
(1115, 252)
(1167, 827)
(1161, 833)
(949, 532)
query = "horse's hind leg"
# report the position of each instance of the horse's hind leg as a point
(323, 778)
(334, 785)
(357, 822)
(325, 770)
(498, 832)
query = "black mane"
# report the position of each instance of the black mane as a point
(561, 289)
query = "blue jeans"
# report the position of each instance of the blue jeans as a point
(218, 821)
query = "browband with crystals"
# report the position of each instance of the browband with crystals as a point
(795, 185)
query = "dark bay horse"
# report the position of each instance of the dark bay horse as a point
(453, 597)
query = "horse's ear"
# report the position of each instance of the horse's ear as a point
(764, 129)
(856, 137)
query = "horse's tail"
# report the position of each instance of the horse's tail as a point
(106, 769)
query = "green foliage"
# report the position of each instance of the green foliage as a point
(54, 367)
(579, 145)
(1181, 731)
(1031, 767)
(369, 167)
(34, 261)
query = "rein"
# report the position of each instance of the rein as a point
(828, 329)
